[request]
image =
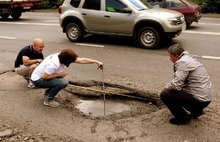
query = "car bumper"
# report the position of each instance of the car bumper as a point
(173, 34)
(175, 31)
(190, 19)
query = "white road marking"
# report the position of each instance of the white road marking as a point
(207, 57)
(22, 23)
(91, 45)
(204, 33)
(6, 37)
(213, 24)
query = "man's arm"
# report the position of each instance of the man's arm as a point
(89, 61)
(179, 80)
(27, 61)
(55, 75)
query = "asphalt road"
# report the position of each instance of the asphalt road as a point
(125, 63)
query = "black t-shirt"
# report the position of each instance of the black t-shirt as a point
(29, 52)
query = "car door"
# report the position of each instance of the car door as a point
(116, 20)
(92, 16)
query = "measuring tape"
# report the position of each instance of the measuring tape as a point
(108, 92)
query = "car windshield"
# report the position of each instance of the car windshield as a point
(140, 4)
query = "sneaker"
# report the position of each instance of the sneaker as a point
(30, 84)
(51, 103)
(182, 121)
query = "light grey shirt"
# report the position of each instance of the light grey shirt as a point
(192, 77)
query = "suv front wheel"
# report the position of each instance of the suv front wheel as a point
(73, 32)
(148, 38)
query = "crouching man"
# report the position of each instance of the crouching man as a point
(189, 91)
(51, 72)
(28, 58)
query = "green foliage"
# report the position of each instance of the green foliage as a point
(209, 6)
(45, 4)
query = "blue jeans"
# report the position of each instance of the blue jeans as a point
(54, 86)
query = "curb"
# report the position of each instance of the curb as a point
(211, 15)
(4, 68)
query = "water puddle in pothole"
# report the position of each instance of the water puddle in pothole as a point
(110, 106)
(119, 102)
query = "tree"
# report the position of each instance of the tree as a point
(209, 6)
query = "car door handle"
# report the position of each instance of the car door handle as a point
(84, 14)
(106, 16)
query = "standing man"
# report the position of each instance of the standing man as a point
(51, 72)
(28, 58)
(190, 88)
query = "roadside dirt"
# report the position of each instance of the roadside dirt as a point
(23, 117)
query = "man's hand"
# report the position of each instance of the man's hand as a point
(39, 60)
(100, 65)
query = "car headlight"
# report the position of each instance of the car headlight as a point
(177, 20)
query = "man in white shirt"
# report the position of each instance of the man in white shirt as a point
(51, 72)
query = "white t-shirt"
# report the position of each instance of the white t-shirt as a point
(50, 65)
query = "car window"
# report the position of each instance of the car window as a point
(139, 4)
(191, 2)
(75, 3)
(114, 6)
(92, 4)
(175, 4)
(155, 3)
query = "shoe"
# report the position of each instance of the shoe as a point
(182, 121)
(51, 103)
(196, 115)
(30, 84)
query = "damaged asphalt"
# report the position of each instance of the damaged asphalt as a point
(25, 118)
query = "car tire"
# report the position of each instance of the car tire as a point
(148, 38)
(4, 16)
(74, 32)
(16, 14)
(188, 25)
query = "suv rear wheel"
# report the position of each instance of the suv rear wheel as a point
(4, 16)
(148, 38)
(74, 32)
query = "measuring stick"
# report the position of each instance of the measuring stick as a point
(103, 87)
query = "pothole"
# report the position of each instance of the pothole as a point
(113, 101)
(86, 99)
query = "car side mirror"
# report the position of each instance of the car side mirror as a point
(127, 10)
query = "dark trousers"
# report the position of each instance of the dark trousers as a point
(179, 101)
